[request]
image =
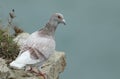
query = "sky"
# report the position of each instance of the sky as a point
(90, 39)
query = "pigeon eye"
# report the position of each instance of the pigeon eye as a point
(59, 17)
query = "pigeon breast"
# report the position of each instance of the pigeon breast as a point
(41, 46)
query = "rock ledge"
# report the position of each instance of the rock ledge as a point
(52, 67)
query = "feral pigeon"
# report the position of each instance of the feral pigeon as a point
(39, 45)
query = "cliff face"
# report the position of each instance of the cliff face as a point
(52, 67)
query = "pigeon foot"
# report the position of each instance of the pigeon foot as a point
(36, 71)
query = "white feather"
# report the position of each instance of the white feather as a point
(23, 60)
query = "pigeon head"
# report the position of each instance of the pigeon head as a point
(56, 19)
(51, 25)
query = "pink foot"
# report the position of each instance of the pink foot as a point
(36, 71)
(42, 74)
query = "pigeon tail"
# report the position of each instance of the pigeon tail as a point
(25, 58)
(14, 64)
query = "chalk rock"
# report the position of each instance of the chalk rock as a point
(20, 39)
(52, 67)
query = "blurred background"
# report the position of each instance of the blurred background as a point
(91, 38)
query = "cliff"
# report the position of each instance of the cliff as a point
(52, 67)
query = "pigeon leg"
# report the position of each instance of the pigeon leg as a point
(42, 74)
(36, 71)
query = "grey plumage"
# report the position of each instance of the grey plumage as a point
(39, 45)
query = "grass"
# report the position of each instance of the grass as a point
(8, 48)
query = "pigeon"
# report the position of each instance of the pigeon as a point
(38, 47)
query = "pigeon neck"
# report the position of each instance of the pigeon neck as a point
(49, 29)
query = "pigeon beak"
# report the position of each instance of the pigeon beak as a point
(63, 21)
